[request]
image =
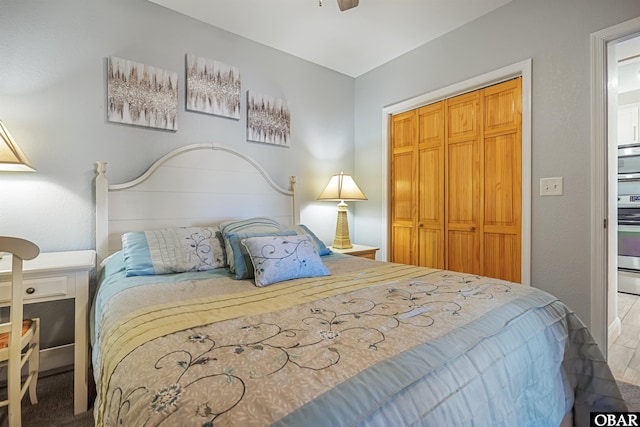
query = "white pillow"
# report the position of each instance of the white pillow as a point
(278, 258)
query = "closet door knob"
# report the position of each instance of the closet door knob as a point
(472, 228)
(30, 290)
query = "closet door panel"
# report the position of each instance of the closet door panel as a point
(403, 208)
(502, 106)
(431, 201)
(431, 248)
(462, 191)
(462, 208)
(403, 188)
(502, 256)
(403, 130)
(431, 194)
(462, 117)
(431, 208)
(462, 252)
(463, 183)
(502, 180)
(403, 242)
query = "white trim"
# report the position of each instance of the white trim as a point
(52, 358)
(522, 69)
(599, 291)
(56, 357)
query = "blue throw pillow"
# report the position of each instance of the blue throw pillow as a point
(241, 260)
(279, 258)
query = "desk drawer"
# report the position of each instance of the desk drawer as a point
(46, 287)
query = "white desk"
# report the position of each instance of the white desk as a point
(54, 276)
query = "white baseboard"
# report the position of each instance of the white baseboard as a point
(51, 359)
(615, 329)
(56, 357)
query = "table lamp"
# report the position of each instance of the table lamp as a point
(342, 187)
(12, 159)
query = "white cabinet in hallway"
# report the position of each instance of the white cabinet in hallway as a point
(628, 124)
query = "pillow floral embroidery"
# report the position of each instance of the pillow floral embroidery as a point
(172, 250)
(239, 255)
(279, 258)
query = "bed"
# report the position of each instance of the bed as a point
(215, 307)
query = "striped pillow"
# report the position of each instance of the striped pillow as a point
(250, 225)
(172, 250)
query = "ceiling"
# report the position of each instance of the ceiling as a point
(350, 42)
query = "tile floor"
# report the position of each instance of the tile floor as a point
(624, 352)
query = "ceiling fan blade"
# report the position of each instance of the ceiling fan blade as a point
(347, 4)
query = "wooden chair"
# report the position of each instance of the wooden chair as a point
(18, 334)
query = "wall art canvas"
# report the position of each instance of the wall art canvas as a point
(212, 87)
(141, 95)
(268, 119)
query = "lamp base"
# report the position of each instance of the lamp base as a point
(342, 240)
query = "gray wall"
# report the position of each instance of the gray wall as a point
(52, 99)
(53, 94)
(555, 35)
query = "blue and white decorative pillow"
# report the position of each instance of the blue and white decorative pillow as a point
(239, 257)
(278, 258)
(172, 250)
(249, 225)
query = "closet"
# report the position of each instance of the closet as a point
(456, 183)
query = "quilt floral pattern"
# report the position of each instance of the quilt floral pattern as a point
(254, 370)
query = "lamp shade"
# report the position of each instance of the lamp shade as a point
(342, 187)
(11, 156)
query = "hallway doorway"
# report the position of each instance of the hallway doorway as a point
(605, 322)
(624, 234)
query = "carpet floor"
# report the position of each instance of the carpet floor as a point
(55, 406)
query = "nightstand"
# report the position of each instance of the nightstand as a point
(54, 276)
(358, 250)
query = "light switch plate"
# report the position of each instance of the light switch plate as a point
(551, 186)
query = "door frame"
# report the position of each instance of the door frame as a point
(519, 69)
(600, 177)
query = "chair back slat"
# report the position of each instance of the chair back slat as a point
(20, 250)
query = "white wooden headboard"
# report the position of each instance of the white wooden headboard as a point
(195, 185)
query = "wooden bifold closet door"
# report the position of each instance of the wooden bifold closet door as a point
(456, 183)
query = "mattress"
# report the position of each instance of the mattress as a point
(372, 344)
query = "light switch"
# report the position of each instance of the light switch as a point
(551, 186)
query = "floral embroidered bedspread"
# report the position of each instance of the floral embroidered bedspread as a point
(220, 352)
